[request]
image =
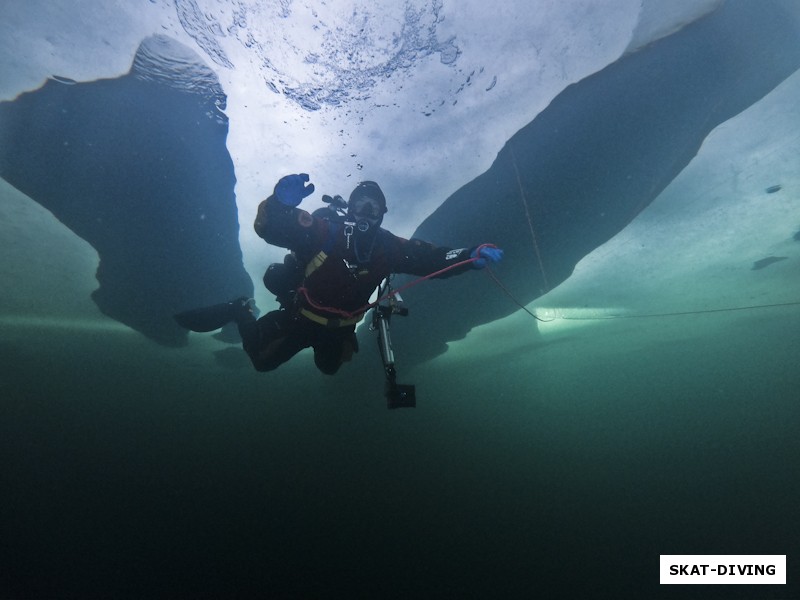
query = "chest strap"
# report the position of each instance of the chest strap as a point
(316, 262)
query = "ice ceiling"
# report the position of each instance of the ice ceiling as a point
(420, 96)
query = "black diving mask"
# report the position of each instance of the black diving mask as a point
(367, 213)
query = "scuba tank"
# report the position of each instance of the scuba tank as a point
(283, 279)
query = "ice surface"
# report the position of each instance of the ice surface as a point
(385, 67)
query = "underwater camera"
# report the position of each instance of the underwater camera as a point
(398, 395)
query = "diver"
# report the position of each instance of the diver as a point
(326, 281)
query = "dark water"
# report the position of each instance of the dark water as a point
(559, 469)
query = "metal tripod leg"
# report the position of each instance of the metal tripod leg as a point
(397, 395)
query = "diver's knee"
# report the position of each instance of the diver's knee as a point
(328, 369)
(329, 362)
(263, 367)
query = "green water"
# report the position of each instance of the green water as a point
(554, 465)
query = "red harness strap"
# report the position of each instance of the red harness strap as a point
(360, 311)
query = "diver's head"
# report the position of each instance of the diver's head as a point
(366, 206)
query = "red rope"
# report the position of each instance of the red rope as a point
(360, 311)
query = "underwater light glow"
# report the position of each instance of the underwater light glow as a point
(559, 318)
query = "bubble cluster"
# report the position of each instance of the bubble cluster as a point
(323, 56)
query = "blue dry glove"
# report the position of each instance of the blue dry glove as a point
(291, 189)
(487, 255)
